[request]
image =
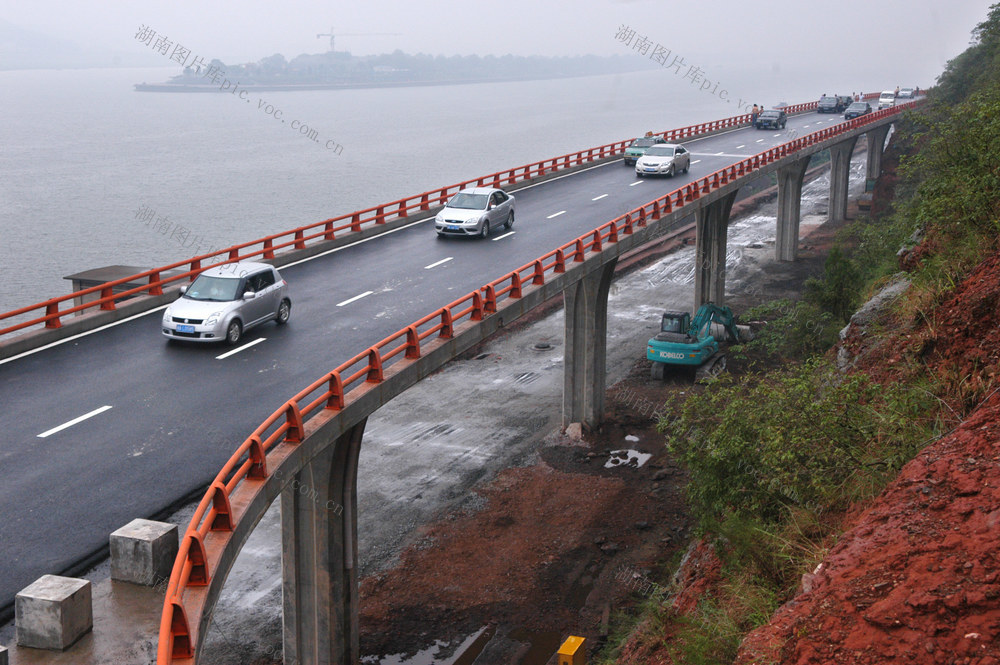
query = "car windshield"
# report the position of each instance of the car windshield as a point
(469, 201)
(660, 151)
(769, 114)
(857, 106)
(643, 143)
(828, 99)
(221, 289)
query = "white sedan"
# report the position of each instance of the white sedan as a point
(666, 159)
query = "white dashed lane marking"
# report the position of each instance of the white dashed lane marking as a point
(357, 297)
(79, 419)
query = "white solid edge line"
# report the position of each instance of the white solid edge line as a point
(337, 249)
(598, 198)
(506, 235)
(437, 263)
(241, 348)
(74, 421)
(357, 297)
(556, 214)
(84, 334)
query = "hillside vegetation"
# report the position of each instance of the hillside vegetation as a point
(859, 478)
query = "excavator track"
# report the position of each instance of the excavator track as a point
(711, 368)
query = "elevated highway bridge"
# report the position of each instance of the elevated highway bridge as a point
(110, 423)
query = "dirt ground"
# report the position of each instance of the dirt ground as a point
(557, 547)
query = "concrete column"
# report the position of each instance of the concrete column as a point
(584, 377)
(710, 251)
(840, 169)
(876, 145)
(786, 247)
(319, 557)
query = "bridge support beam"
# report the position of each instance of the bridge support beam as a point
(840, 170)
(319, 557)
(786, 246)
(585, 373)
(710, 251)
(876, 146)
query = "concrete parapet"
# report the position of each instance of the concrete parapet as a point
(53, 612)
(143, 552)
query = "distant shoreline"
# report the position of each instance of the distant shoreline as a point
(293, 87)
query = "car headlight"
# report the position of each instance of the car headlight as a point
(213, 318)
(439, 218)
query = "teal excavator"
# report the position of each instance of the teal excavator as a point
(688, 342)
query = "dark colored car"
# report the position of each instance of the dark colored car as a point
(845, 101)
(771, 119)
(830, 105)
(639, 146)
(856, 109)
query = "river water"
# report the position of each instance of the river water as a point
(93, 173)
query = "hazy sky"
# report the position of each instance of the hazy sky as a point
(908, 40)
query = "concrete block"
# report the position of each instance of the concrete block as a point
(3, 655)
(143, 552)
(53, 612)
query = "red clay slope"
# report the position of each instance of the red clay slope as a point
(917, 579)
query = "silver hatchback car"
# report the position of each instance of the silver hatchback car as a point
(224, 302)
(475, 212)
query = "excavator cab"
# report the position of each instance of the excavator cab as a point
(675, 322)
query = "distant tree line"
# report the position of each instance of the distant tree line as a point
(342, 67)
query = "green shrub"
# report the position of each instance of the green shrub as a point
(804, 438)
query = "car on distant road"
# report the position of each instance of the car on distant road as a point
(666, 159)
(845, 101)
(908, 93)
(828, 104)
(887, 99)
(475, 212)
(771, 119)
(639, 146)
(224, 302)
(857, 109)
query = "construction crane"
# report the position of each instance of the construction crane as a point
(355, 34)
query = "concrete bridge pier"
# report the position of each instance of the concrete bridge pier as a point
(710, 251)
(584, 372)
(319, 557)
(786, 247)
(876, 146)
(840, 170)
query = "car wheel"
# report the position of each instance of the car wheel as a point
(783, 125)
(485, 233)
(284, 311)
(672, 171)
(687, 166)
(510, 220)
(234, 332)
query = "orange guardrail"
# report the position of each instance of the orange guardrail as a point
(49, 313)
(287, 423)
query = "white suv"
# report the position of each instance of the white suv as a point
(887, 99)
